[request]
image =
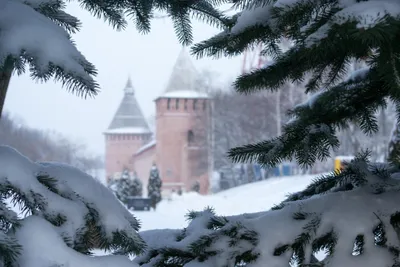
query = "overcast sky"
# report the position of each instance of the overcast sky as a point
(148, 59)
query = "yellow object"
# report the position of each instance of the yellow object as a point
(338, 165)
(339, 161)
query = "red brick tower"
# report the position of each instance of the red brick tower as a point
(127, 132)
(181, 130)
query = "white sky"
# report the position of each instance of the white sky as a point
(148, 59)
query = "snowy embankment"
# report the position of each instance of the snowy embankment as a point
(255, 197)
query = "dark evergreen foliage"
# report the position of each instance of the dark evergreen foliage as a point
(57, 214)
(352, 214)
(296, 229)
(154, 186)
(137, 186)
(117, 13)
(325, 42)
(127, 186)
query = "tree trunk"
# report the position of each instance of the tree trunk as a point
(5, 77)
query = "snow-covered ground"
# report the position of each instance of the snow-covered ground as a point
(255, 197)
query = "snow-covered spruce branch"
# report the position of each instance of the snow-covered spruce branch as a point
(34, 38)
(311, 133)
(37, 33)
(63, 220)
(327, 36)
(353, 217)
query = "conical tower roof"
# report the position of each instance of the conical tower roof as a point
(129, 118)
(184, 74)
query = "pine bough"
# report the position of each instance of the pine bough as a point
(62, 220)
(327, 36)
(37, 33)
(350, 218)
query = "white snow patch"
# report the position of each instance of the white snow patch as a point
(24, 30)
(146, 146)
(43, 246)
(77, 192)
(252, 17)
(184, 94)
(128, 130)
(366, 13)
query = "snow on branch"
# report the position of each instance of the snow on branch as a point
(308, 22)
(29, 37)
(353, 217)
(67, 214)
(310, 134)
(367, 13)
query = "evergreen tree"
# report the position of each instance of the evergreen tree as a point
(137, 186)
(154, 186)
(124, 187)
(49, 50)
(66, 214)
(127, 186)
(353, 216)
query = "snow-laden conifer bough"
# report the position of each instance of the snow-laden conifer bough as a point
(347, 219)
(354, 216)
(67, 213)
(37, 33)
(327, 36)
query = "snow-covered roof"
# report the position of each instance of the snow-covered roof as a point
(184, 94)
(129, 117)
(184, 75)
(146, 146)
(128, 130)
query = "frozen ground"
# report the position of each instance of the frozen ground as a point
(255, 197)
(249, 198)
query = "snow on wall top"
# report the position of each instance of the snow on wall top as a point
(128, 130)
(184, 94)
(146, 146)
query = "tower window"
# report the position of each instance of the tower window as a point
(168, 103)
(195, 104)
(204, 105)
(177, 103)
(190, 137)
(185, 104)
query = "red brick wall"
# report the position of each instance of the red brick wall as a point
(143, 162)
(119, 151)
(172, 153)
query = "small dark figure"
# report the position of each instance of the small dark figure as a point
(196, 187)
(180, 191)
(154, 187)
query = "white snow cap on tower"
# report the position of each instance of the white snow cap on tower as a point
(184, 74)
(183, 80)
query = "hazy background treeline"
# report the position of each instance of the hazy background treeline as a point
(43, 145)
